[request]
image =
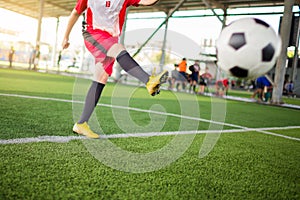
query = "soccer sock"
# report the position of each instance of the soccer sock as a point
(91, 101)
(132, 67)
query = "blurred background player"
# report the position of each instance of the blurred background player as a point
(173, 78)
(204, 82)
(289, 89)
(262, 84)
(195, 69)
(102, 27)
(11, 56)
(182, 74)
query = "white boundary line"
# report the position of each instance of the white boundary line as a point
(46, 138)
(241, 128)
(151, 134)
(126, 108)
(64, 139)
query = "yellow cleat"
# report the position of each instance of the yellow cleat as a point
(84, 129)
(154, 82)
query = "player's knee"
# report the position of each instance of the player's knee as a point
(115, 50)
(100, 75)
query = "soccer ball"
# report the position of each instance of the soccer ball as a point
(247, 48)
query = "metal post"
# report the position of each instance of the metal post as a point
(167, 18)
(218, 71)
(212, 10)
(38, 36)
(295, 60)
(163, 49)
(224, 17)
(281, 63)
(54, 49)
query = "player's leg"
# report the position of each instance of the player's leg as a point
(127, 63)
(133, 68)
(194, 86)
(94, 92)
(97, 44)
(91, 100)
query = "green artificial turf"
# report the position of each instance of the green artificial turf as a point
(244, 166)
(241, 165)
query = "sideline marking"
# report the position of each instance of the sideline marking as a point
(65, 139)
(240, 128)
(151, 134)
(46, 138)
(126, 108)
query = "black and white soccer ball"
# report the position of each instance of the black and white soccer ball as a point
(247, 48)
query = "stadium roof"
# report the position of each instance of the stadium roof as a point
(57, 8)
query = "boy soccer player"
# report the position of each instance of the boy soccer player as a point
(102, 27)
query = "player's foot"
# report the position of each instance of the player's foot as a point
(84, 129)
(155, 81)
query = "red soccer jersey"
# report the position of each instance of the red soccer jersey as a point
(105, 15)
